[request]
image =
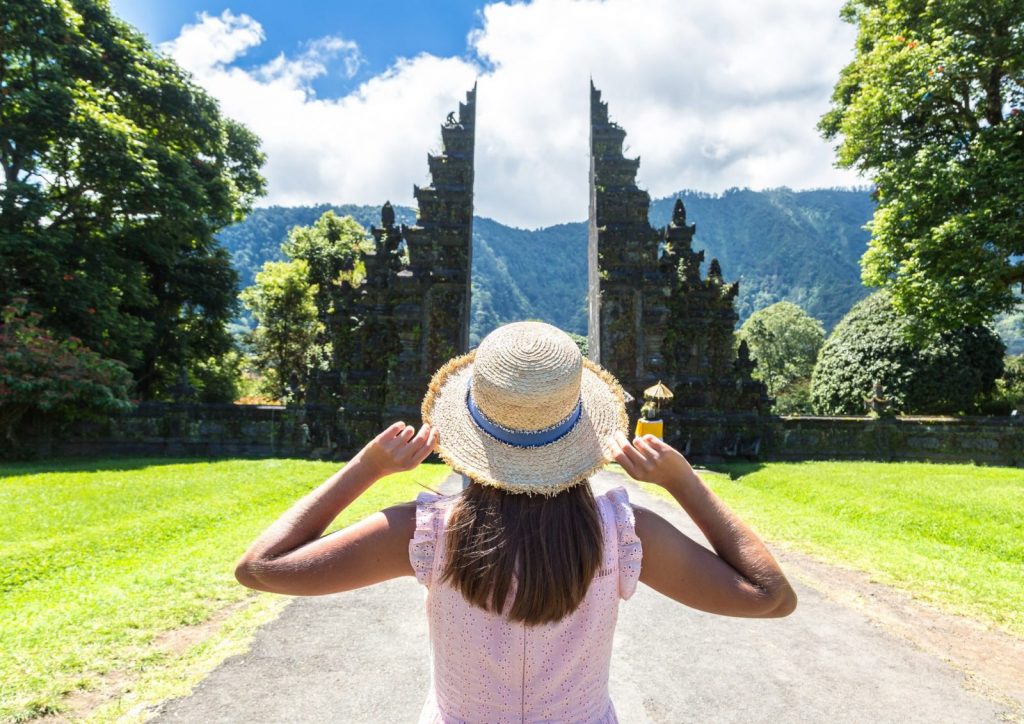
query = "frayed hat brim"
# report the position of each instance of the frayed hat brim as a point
(546, 469)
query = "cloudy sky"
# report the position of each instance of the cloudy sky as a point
(348, 96)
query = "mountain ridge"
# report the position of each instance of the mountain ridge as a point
(801, 246)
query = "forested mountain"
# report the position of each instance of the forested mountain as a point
(801, 246)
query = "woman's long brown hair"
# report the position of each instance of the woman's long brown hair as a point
(549, 545)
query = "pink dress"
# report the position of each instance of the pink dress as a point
(486, 669)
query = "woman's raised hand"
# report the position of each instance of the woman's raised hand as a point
(649, 459)
(400, 447)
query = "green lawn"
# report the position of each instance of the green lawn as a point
(99, 558)
(952, 535)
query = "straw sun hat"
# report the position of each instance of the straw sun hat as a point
(525, 411)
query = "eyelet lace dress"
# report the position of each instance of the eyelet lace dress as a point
(487, 669)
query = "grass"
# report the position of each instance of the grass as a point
(952, 535)
(98, 559)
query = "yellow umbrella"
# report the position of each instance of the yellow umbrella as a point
(658, 392)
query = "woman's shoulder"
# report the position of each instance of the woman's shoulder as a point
(428, 516)
(630, 552)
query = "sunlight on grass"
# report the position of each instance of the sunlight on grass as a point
(952, 535)
(98, 558)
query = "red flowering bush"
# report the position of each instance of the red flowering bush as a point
(60, 380)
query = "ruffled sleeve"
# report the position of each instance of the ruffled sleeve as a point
(630, 550)
(422, 544)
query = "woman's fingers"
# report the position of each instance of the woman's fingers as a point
(422, 435)
(658, 444)
(637, 461)
(391, 431)
(416, 444)
(426, 448)
(644, 446)
(416, 450)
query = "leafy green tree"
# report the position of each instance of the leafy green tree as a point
(286, 341)
(117, 172)
(218, 378)
(333, 247)
(1011, 328)
(949, 373)
(1012, 381)
(784, 340)
(1009, 393)
(51, 379)
(931, 108)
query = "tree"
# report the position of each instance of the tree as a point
(334, 248)
(1011, 384)
(55, 380)
(286, 342)
(931, 107)
(117, 172)
(784, 340)
(950, 373)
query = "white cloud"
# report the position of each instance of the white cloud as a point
(713, 94)
(214, 41)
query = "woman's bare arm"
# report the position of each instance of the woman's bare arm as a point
(291, 556)
(740, 578)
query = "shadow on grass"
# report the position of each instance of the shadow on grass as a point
(735, 471)
(108, 464)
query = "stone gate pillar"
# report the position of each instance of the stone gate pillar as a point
(652, 316)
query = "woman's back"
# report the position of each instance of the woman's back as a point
(527, 416)
(486, 668)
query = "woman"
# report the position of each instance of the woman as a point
(525, 568)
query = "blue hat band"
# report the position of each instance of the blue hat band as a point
(522, 438)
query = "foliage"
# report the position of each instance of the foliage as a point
(117, 172)
(783, 245)
(286, 341)
(259, 237)
(952, 535)
(1012, 381)
(1011, 329)
(784, 340)
(931, 105)
(59, 380)
(581, 341)
(947, 374)
(333, 247)
(1009, 392)
(303, 307)
(132, 549)
(218, 379)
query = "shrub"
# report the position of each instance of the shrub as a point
(1009, 391)
(217, 379)
(950, 373)
(56, 380)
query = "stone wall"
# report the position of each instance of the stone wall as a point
(982, 440)
(215, 431)
(196, 430)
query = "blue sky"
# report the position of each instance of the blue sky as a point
(348, 97)
(384, 29)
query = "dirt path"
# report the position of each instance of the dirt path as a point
(854, 651)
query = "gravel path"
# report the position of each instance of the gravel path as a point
(361, 656)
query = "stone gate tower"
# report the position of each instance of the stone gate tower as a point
(411, 314)
(651, 315)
